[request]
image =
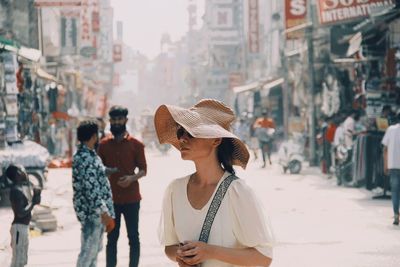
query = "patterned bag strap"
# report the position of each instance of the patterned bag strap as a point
(213, 209)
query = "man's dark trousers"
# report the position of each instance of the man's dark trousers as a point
(131, 216)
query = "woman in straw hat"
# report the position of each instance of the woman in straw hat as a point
(210, 217)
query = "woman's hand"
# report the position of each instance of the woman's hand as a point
(181, 263)
(194, 252)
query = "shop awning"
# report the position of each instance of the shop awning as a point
(247, 87)
(30, 53)
(265, 85)
(273, 83)
(8, 45)
(44, 75)
(378, 17)
(22, 51)
(355, 44)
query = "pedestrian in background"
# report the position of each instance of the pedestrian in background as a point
(388, 114)
(22, 203)
(122, 151)
(391, 154)
(91, 194)
(350, 128)
(264, 128)
(210, 217)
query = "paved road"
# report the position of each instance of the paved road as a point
(315, 222)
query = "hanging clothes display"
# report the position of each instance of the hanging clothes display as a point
(368, 159)
(52, 94)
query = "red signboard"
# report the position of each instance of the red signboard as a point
(295, 14)
(254, 36)
(337, 11)
(95, 21)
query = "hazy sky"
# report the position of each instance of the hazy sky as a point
(146, 20)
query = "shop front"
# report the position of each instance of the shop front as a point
(363, 75)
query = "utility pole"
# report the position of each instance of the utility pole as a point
(285, 87)
(311, 84)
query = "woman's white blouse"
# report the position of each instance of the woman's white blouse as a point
(239, 223)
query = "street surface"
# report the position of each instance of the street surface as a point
(315, 222)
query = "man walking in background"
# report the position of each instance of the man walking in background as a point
(125, 153)
(391, 155)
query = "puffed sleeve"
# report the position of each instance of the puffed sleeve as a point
(250, 224)
(166, 230)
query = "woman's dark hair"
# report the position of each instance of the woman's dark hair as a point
(87, 129)
(225, 154)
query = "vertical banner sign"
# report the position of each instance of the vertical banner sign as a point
(295, 14)
(105, 49)
(87, 37)
(95, 21)
(117, 52)
(254, 38)
(69, 32)
(339, 11)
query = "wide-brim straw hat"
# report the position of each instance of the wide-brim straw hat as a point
(209, 118)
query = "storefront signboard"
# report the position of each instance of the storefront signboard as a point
(69, 32)
(88, 51)
(295, 15)
(254, 36)
(340, 11)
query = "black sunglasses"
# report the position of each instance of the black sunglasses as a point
(180, 132)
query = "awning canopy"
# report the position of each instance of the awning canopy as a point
(8, 45)
(247, 87)
(385, 15)
(22, 51)
(258, 85)
(273, 83)
(44, 75)
(30, 53)
(355, 44)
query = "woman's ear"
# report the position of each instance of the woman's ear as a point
(217, 141)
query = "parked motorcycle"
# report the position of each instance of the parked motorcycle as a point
(291, 154)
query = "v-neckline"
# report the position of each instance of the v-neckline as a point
(209, 200)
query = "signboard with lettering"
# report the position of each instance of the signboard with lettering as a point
(339, 11)
(222, 17)
(69, 32)
(295, 14)
(254, 36)
(88, 39)
(88, 51)
(105, 47)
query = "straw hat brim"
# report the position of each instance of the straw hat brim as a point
(168, 117)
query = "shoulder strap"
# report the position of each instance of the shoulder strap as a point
(213, 209)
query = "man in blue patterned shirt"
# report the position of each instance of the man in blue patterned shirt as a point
(92, 194)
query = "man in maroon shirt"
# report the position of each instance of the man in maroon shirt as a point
(125, 154)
